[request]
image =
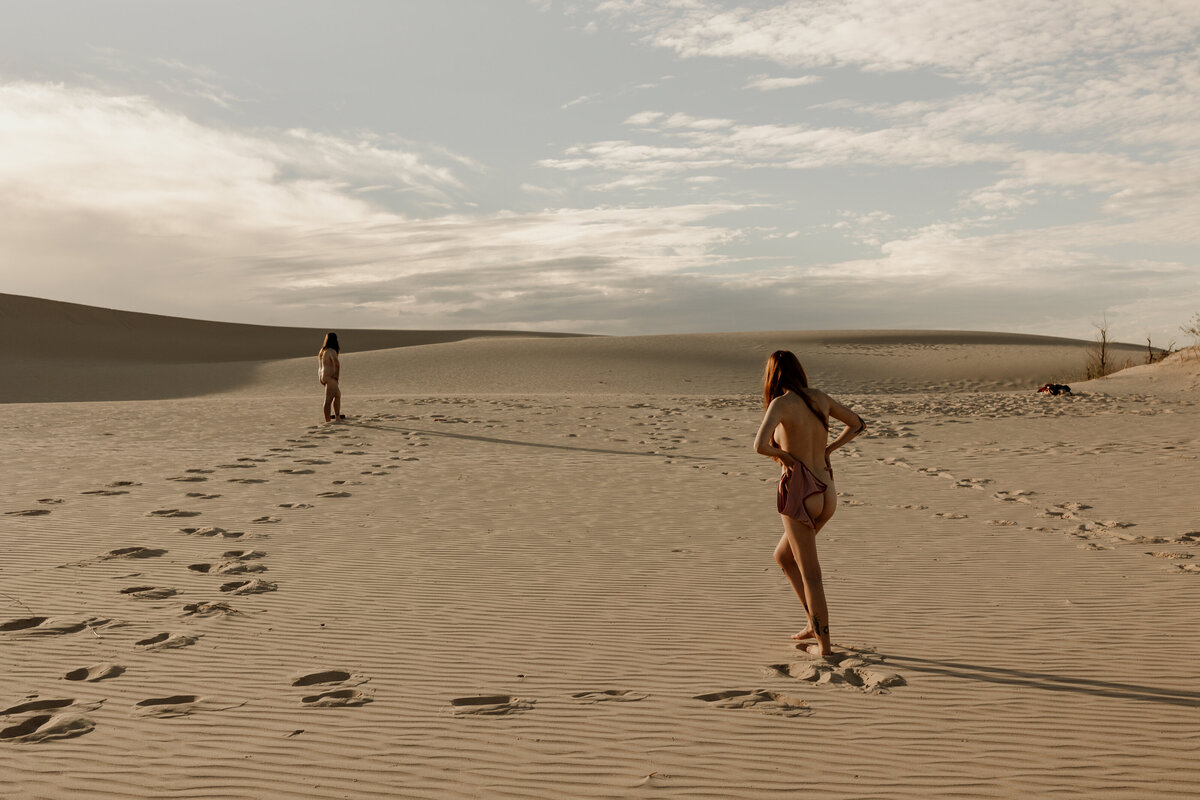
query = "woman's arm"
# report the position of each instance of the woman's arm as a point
(762, 442)
(853, 422)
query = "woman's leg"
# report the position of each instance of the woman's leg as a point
(330, 390)
(787, 562)
(803, 541)
(337, 400)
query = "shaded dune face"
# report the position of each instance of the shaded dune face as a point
(73, 353)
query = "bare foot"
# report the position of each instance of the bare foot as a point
(820, 650)
(807, 633)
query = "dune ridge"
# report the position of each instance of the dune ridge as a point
(70, 353)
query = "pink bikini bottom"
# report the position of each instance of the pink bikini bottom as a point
(796, 486)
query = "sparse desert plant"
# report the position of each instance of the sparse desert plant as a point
(1099, 361)
(1156, 354)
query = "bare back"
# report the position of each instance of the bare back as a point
(328, 366)
(797, 431)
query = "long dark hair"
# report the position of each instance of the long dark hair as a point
(783, 373)
(331, 343)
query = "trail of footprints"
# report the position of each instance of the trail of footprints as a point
(39, 719)
(1095, 534)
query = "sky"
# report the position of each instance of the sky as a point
(615, 166)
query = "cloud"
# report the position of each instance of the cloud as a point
(969, 38)
(583, 98)
(692, 144)
(114, 200)
(765, 83)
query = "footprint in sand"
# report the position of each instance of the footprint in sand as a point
(333, 494)
(106, 492)
(841, 670)
(28, 512)
(264, 520)
(1002, 522)
(252, 458)
(212, 531)
(297, 506)
(50, 501)
(45, 727)
(247, 480)
(296, 471)
(227, 568)
(172, 512)
(1158, 554)
(236, 466)
(48, 626)
(47, 705)
(202, 496)
(337, 698)
(1019, 496)
(178, 705)
(63, 722)
(762, 700)
(188, 479)
(610, 695)
(492, 705)
(312, 461)
(209, 608)
(1094, 546)
(168, 641)
(120, 552)
(96, 672)
(326, 676)
(149, 592)
(949, 515)
(1192, 568)
(254, 586)
(234, 563)
(134, 552)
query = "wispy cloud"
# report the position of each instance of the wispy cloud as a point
(765, 83)
(974, 39)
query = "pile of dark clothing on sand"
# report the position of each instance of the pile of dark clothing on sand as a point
(1055, 389)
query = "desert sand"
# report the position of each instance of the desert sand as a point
(532, 566)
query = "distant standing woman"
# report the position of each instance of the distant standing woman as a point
(329, 372)
(795, 432)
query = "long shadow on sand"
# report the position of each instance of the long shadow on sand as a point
(494, 440)
(1048, 681)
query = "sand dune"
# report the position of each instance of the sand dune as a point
(67, 352)
(503, 578)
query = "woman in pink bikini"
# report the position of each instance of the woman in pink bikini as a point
(795, 432)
